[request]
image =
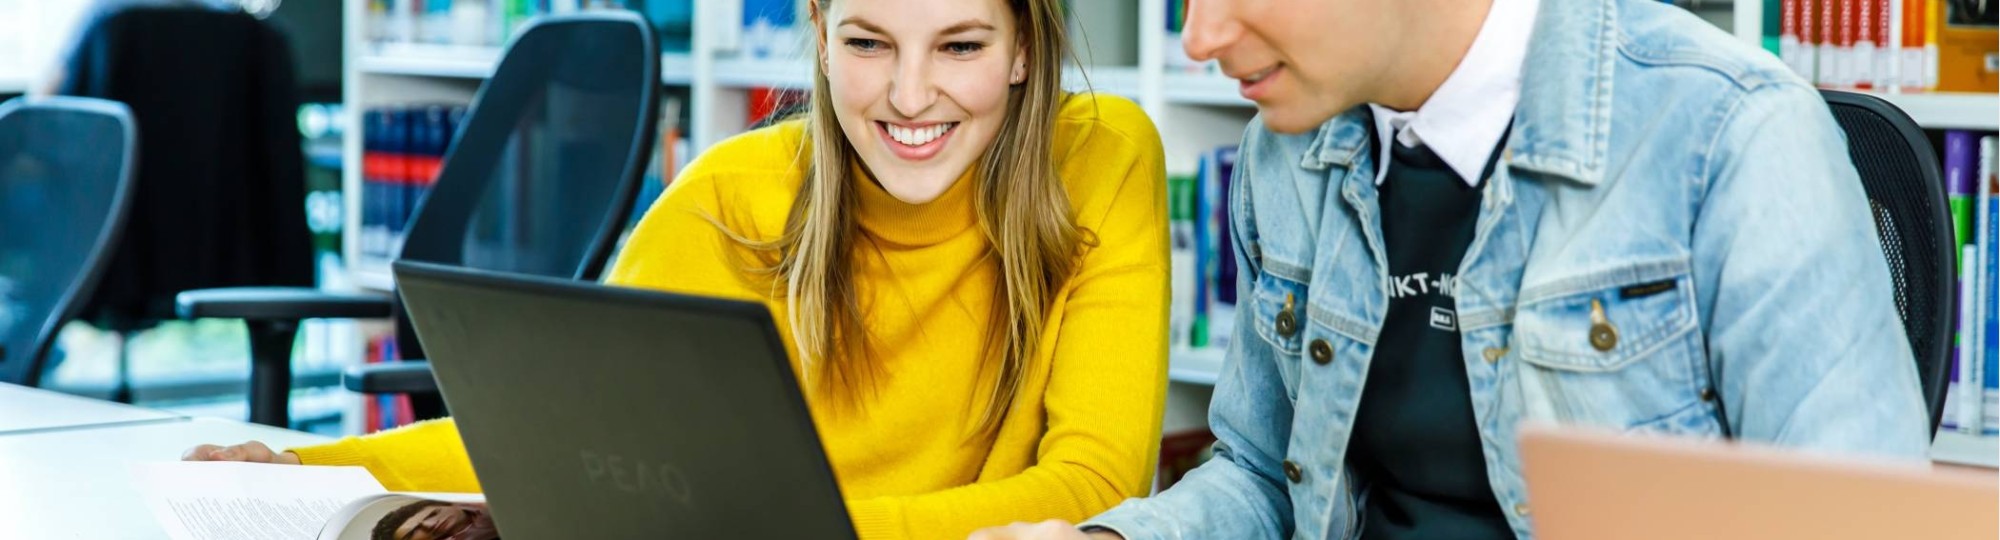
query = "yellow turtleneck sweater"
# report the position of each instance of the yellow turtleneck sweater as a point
(1081, 435)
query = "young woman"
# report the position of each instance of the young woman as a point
(972, 266)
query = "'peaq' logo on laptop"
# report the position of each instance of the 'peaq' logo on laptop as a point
(635, 475)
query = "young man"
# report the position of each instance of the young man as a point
(1456, 215)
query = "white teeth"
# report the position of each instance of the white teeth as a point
(1259, 76)
(918, 136)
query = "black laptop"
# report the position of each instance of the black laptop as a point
(603, 412)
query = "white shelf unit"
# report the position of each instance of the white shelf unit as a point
(1949, 110)
(1970, 450)
(1932, 110)
(1194, 111)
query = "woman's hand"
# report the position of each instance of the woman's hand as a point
(1054, 529)
(249, 452)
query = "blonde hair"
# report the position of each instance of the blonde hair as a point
(1021, 205)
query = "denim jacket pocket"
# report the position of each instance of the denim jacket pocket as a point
(1280, 306)
(1624, 355)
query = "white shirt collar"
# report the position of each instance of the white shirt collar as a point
(1468, 115)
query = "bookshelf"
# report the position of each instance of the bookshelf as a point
(1195, 111)
(1932, 110)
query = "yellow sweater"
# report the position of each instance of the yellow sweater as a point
(1082, 434)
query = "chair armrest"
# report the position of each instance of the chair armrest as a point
(404, 377)
(268, 303)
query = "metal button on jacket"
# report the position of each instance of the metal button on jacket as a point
(1603, 336)
(1287, 323)
(1322, 353)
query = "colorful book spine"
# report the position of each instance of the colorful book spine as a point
(770, 28)
(1221, 279)
(1910, 45)
(1204, 253)
(1809, 39)
(1989, 396)
(1887, 36)
(1987, 237)
(1788, 36)
(1961, 187)
(1827, 73)
(371, 409)
(1932, 8)
(1180, 230)
(396, 143)
(1865, 38)
(1957, 392)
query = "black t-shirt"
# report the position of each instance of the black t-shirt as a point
(1416, 444)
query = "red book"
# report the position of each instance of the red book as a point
(1865, 43)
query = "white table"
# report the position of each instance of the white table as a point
(28, 410)
(77, 483)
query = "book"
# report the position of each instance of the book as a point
(1827, 73)
(1180, 230)
(195, 500)
(1956, 391)
(770, 29)
(1960, 184)
(1989, 370)
(1962, 193)
(1789, 50)
(1987, 321)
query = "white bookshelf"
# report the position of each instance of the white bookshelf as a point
(1961, 449)
(1949, 110)
(1194, 111)
(1932, 110)
(1195, 366)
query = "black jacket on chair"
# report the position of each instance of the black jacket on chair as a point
(220, 197)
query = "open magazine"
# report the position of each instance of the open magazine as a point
(248, 501)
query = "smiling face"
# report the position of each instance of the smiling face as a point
(920, 86)
(1302, 61)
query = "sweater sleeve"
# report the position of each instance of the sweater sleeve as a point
(425, 456)
(1107, 382)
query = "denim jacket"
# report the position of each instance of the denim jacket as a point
(1675, 242)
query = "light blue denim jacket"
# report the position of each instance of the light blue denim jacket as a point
(1649, 151)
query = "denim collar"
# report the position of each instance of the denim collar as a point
(1562, 124)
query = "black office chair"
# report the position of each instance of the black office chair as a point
(65, 191)
(540, 181)
(1899, 170)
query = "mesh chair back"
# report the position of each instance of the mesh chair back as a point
(550, 156)
(65, 178)
(1899, 170)
(542, 176)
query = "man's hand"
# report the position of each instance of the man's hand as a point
(250, 452)
(1054, 529)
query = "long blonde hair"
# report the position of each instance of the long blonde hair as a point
(1022, 209)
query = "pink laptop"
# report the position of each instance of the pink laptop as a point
(1593, 485)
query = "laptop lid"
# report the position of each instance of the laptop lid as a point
(601, 412)
(1594, 485)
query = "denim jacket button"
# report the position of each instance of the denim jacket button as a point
(1521, 509)
(1322, 353)
(1287, 324)
(1292, 471)
(1603, 336)
(1708, 394)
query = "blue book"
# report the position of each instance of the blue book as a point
(1204, 253)
(1225, 274)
